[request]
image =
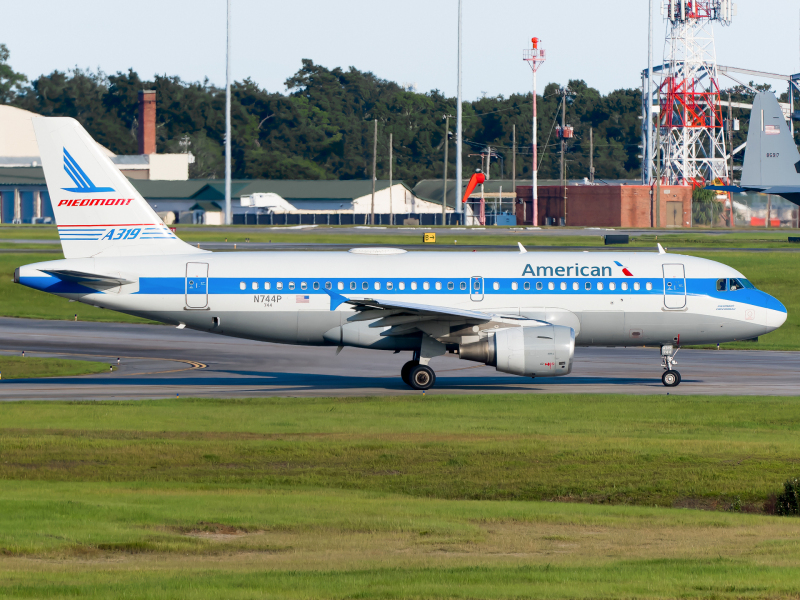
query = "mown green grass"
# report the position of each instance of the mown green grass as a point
(413, 497)
(17, 367)
(655, 450)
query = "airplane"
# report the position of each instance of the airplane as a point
(522, 313)
(771, 160)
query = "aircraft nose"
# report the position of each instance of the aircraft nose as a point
(776, 313)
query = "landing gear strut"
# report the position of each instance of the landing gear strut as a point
(671, 377)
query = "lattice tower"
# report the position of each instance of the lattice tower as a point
(692, 133)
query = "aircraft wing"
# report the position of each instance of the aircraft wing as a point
(724, 188)
(403, 318)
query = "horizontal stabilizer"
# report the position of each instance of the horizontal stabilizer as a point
(89, 278)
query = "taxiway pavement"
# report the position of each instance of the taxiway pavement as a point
(160, 361)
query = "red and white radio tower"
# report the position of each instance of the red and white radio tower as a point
(534, 57)
(690, 116)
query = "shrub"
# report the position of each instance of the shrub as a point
(788, 502)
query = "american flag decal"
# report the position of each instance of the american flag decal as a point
(302, 299)
(772, 129)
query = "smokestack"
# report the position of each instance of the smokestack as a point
(147, 122)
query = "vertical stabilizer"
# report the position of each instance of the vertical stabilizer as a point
(771, 158)
(97, 210)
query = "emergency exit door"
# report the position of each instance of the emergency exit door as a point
(674, 286)
(196, 285)
(476, 289)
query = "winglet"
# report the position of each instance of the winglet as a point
(521, 248)
(336, 299)
(660, 249)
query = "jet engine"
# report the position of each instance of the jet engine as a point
(540, 351)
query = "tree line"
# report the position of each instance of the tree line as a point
(322, 127)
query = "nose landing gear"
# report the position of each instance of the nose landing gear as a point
(671, 377)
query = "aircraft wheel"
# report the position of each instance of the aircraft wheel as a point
(406, 370)
(671, 378)
(421, 377)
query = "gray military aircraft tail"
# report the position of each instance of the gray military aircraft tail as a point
(771, 159)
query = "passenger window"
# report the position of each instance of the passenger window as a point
(648, 286)
(401, 285)
(463, 285)
(438, 285)
(496, 285)
(340, 285)
(242, 285)
(389, 285)
(600, 286)
(514, 285)
(539, 285)
(279, 285)
(255, 285)
(624, 286)
(316, 285)
(527, 285)
(377, 285)
(476, 285)
(574, 285)
(328, 285)
(291, 285)
(563, 285)
(426, 285)
(413, 285)
(612, 286)
(303, 285)
(551, 286)
(450, 285)
(636, 285)
(587, 285)
(352, 285)
(266, 285)
(722, 285)
(364, 285)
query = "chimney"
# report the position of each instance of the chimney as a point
(147, 122)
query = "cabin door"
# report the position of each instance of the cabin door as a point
(476, 289)
(674, 286)
(196, 285)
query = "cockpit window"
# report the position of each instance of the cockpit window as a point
(746, 284)
(722, 285)
(735, 285)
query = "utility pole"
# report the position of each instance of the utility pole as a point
(374, 166)
(534, 57)
(591, 155)
(730, 156)
(658, 170)
(514, 169)
(228, 218)
(648, 150)
(459, 125)
(391, 212)
(444, 190)
(563, 148)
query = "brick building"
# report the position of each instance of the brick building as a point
(607, 206)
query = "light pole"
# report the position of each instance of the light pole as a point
(459, 125)
(444, 190)
(534, 57)
(228, 122)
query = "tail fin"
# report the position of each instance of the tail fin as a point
(771, 159)
(98, 211)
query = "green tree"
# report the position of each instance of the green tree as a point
(11, 82)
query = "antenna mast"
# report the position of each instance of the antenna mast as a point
(690, 116)
(534, 57)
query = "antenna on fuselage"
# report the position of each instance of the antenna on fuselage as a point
(521, 248)
(660, 249)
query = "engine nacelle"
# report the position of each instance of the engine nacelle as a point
(542, 351)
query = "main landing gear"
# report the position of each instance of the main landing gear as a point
(671, 377)
(417, 376)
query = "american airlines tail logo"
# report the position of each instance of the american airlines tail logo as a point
(80, 178)
(624, 270)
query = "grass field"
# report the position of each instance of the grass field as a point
(17, 367)
(413, 497)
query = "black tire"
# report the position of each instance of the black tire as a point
(671, 378)
(406, 370)
(421, 377)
